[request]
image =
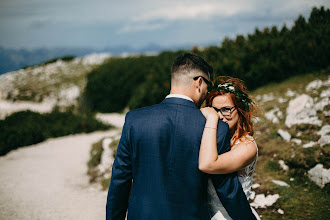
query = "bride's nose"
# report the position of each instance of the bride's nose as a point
(221, 116)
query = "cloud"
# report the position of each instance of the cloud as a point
(163, 15)
(204, 10)
(166, 15)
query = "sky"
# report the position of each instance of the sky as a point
(32, 24)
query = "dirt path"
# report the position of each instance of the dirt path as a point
(49, 181)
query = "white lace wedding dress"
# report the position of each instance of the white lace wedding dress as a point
(245, 176)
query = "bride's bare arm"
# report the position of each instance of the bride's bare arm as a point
(231, 161)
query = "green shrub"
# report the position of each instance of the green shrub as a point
(64, 58)
(26, 128)
(105, 183)
(95, 154)
(132, 81)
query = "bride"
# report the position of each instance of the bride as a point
(228, 101)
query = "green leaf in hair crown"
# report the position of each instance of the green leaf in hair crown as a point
(240, 96)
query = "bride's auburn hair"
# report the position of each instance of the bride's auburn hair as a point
(244, 124)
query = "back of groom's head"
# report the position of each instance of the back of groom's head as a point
(187, 65)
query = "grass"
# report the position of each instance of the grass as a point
(95, 159)
(296, 83)
(302, 200)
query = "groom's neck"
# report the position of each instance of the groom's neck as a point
(181, 92)
(186, 92)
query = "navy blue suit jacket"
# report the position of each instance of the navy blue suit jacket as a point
(155, 174)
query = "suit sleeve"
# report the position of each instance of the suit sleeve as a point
(121, 179)
(227, 186)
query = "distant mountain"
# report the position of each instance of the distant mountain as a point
(14, 59)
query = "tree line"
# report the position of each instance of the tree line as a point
(266, 56)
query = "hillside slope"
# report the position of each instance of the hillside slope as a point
(40, 88)
(293, 136)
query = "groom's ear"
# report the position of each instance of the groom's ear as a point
(198, 82)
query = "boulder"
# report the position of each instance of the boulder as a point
(280, 183)
(268, 97)
(284, 134)
(316, 84)
(261, 201)
(325, 93)
(319, 175)
(309, 144)
(296, 140)
(274, 115)
(325, 135)
(301, 111)
(290, 93)
(283, 165)
(319, 106)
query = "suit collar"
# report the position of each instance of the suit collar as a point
(179, 96)
(179, 101)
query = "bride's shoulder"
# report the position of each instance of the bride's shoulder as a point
(246, 140)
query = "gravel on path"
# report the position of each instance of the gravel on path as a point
(49, 181)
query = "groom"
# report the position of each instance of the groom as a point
(155, 174)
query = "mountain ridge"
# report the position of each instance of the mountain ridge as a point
(12, 59)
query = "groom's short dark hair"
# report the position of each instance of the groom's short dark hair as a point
(187, 62)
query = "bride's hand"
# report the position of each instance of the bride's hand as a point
(210, 113)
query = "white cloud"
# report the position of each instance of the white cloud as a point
(199, 10)
(183, 10)
(163, 14)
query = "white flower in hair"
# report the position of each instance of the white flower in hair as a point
(240, 95)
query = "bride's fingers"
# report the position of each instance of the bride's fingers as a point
(214, 113)
(205, 112)
(209, 112)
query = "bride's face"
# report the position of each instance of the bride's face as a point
(224, 103)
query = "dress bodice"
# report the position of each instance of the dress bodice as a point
(245, 176)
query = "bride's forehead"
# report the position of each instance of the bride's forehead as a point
(222, 100)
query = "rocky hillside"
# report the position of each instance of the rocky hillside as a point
(40, 88)
(293, 135)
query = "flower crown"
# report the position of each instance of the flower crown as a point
(240, 95)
